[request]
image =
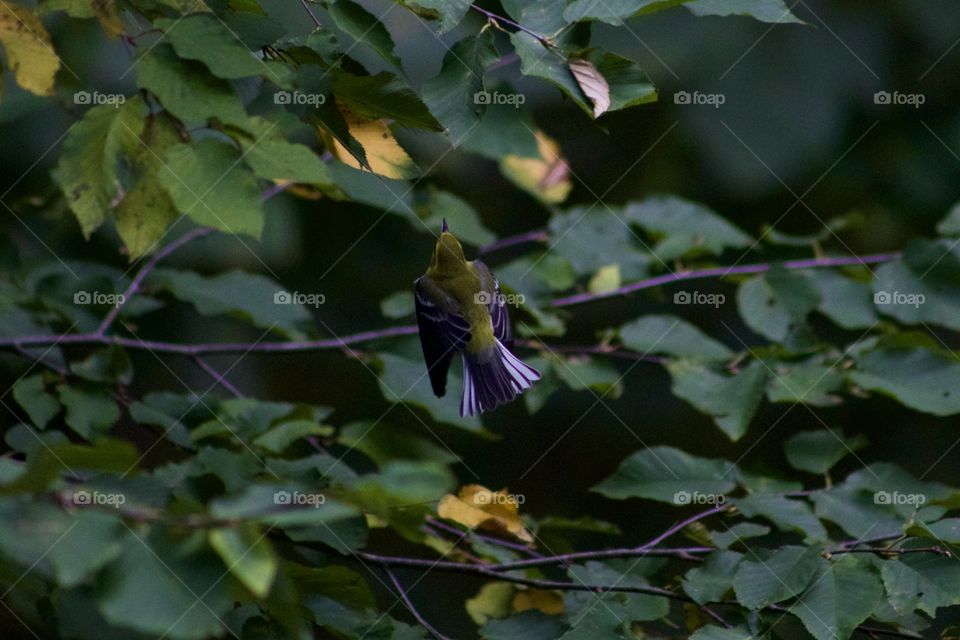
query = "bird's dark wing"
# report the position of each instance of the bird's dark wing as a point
(442, 333)
(499, 317)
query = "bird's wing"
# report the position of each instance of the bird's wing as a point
(499, 317)
(442, 333)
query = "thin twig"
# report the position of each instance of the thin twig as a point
(545, 41)
(134, 286)
(510, 241)
(316, 22)
(218, 378)
(515, 546)
(409, 604)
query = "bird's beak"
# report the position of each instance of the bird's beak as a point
(443, 228)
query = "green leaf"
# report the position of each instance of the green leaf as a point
(405, 380)
(844, 593)
(363, 26)
(272, 157)
(457, 95)
(383, 96)
(586, 372)
(922, 288)
(207, 183)
(30, 393)
(529, 625)
(111, 364)
(403, 493)
(818, 451)
(673, 336)
(737, 534)
(448, 12)
(45, 464)
(711, 581)
(89, 166)
(536, 60)
(921, 581)
(918, 378)
(69, 548)
(813, 381)
(157, 588)
(592, 238)
(433, 206)
(683, 227)
(786, 514)
(185, 88)
(774, 11)
(731, 401)
(847, 302)
(90, 412)
(627, 83)
(950, 224)
(614, 11)
(277, 439)
(612, 615)
(205, 37)
(250, 296)
(775, 304)
(399, 304)
(248, 556)
(382, 442)
(775, 576)
(145, 212)
(665, 474)
(711, 632)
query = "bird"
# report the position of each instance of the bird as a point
(459, 308)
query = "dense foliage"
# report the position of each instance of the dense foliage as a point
(166, 505)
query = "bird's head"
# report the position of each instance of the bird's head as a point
(448, 258)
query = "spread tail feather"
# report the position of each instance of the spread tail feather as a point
(492, 379)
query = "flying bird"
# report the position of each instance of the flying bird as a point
(460, 309)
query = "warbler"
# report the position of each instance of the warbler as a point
(460, 309)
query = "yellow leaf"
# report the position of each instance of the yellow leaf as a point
(29, 51)
(605, 279)
(384, 154)
(478, 507)
(546, 177)
(550, 602)
(493, 601)
(109, 17)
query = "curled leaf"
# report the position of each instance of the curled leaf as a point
(546, 177)
(593, 84)
(477, 507)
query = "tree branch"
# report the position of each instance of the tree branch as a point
(720, 272)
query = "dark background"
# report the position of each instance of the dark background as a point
(799, 98)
